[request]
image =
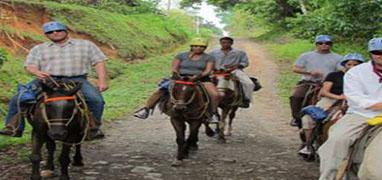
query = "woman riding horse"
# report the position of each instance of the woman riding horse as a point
(196, 64)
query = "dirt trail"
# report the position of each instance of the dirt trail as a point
(262, 146)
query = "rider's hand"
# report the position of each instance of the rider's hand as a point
(375, 107)
(316, 74)
(102, 85)
(342, 97)
(41, 75)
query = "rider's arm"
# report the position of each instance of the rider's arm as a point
(101, 75)
(355, 94)
(175, 66)
(325, 91)
(208, 69)
(243, 60)
(301, 70)
(33, 69)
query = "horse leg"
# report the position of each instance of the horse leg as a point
(209, 131)
(49, 167)
(232, 115)
(78, 156)
(192, 140)
(180, 128)
(221, 137)
(65, 161)
(35, 157)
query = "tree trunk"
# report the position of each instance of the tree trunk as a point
(303, 7)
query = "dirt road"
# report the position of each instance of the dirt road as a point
(262, 146)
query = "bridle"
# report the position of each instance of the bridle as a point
(178, 102)
(58, 121)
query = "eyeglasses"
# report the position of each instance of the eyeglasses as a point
(326, 43)
(50, 32)
(376, 52)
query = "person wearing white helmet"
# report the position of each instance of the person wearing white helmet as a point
(363, 91)
(331, 92)
(228, 57)
(313, 66)
(64, 58)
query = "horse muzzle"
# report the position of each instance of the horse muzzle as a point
(58, 135)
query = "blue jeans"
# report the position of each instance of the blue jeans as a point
(93, 99)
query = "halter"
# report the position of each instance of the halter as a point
(175, 101)
(58, 121)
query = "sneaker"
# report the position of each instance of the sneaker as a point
(304, 151)
(214, 119)
(245, 103)
(142, 113)
(8, 131)
(295, 123)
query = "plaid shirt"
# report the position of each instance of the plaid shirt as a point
(74, 58)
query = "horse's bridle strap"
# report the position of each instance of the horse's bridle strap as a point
(222, 74)
(184, 82)
(61, 98)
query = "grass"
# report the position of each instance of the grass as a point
(136, 35)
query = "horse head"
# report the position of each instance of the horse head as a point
(224, 81)
(58, 107)
(182, 93)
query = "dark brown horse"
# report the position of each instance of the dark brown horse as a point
(57, 116)
(229, 90)
(187, 103)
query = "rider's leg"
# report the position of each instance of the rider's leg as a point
(13, 127)
(213, 93)
(143, 113)
(307, 126)
(341, 136)
(94, 100)
(246, 83)
(296, 101)
(215, 99)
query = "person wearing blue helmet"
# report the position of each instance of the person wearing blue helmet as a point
(363, 92)
(331, 94)
(313, 66)
(63, 58)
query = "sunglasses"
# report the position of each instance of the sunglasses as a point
(376, 52)
(326, 43)
(51, 32)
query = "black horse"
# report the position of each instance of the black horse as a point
(59, 115)
(188, 103)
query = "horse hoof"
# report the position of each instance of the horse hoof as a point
(176, 163)
(47, 173)
(78, 164)
(36, 177)
(221, 140)
(228, 133)
(64, 178)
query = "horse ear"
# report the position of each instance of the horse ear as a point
(75, 89)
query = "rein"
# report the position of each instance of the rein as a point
(60, 98)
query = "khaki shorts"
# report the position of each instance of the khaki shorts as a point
(324, 103)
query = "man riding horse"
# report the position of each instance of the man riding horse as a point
(235, 60)
(63, 58)
(331, 95)
(363, 91)
(313, 66)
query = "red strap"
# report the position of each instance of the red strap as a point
(61, 98)
(184, 82)
(377, 72)
(222, 74)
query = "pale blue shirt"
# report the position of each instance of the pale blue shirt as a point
(233, 57)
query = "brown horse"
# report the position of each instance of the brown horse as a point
(229, 90)
(188, 103)
(57, 116)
